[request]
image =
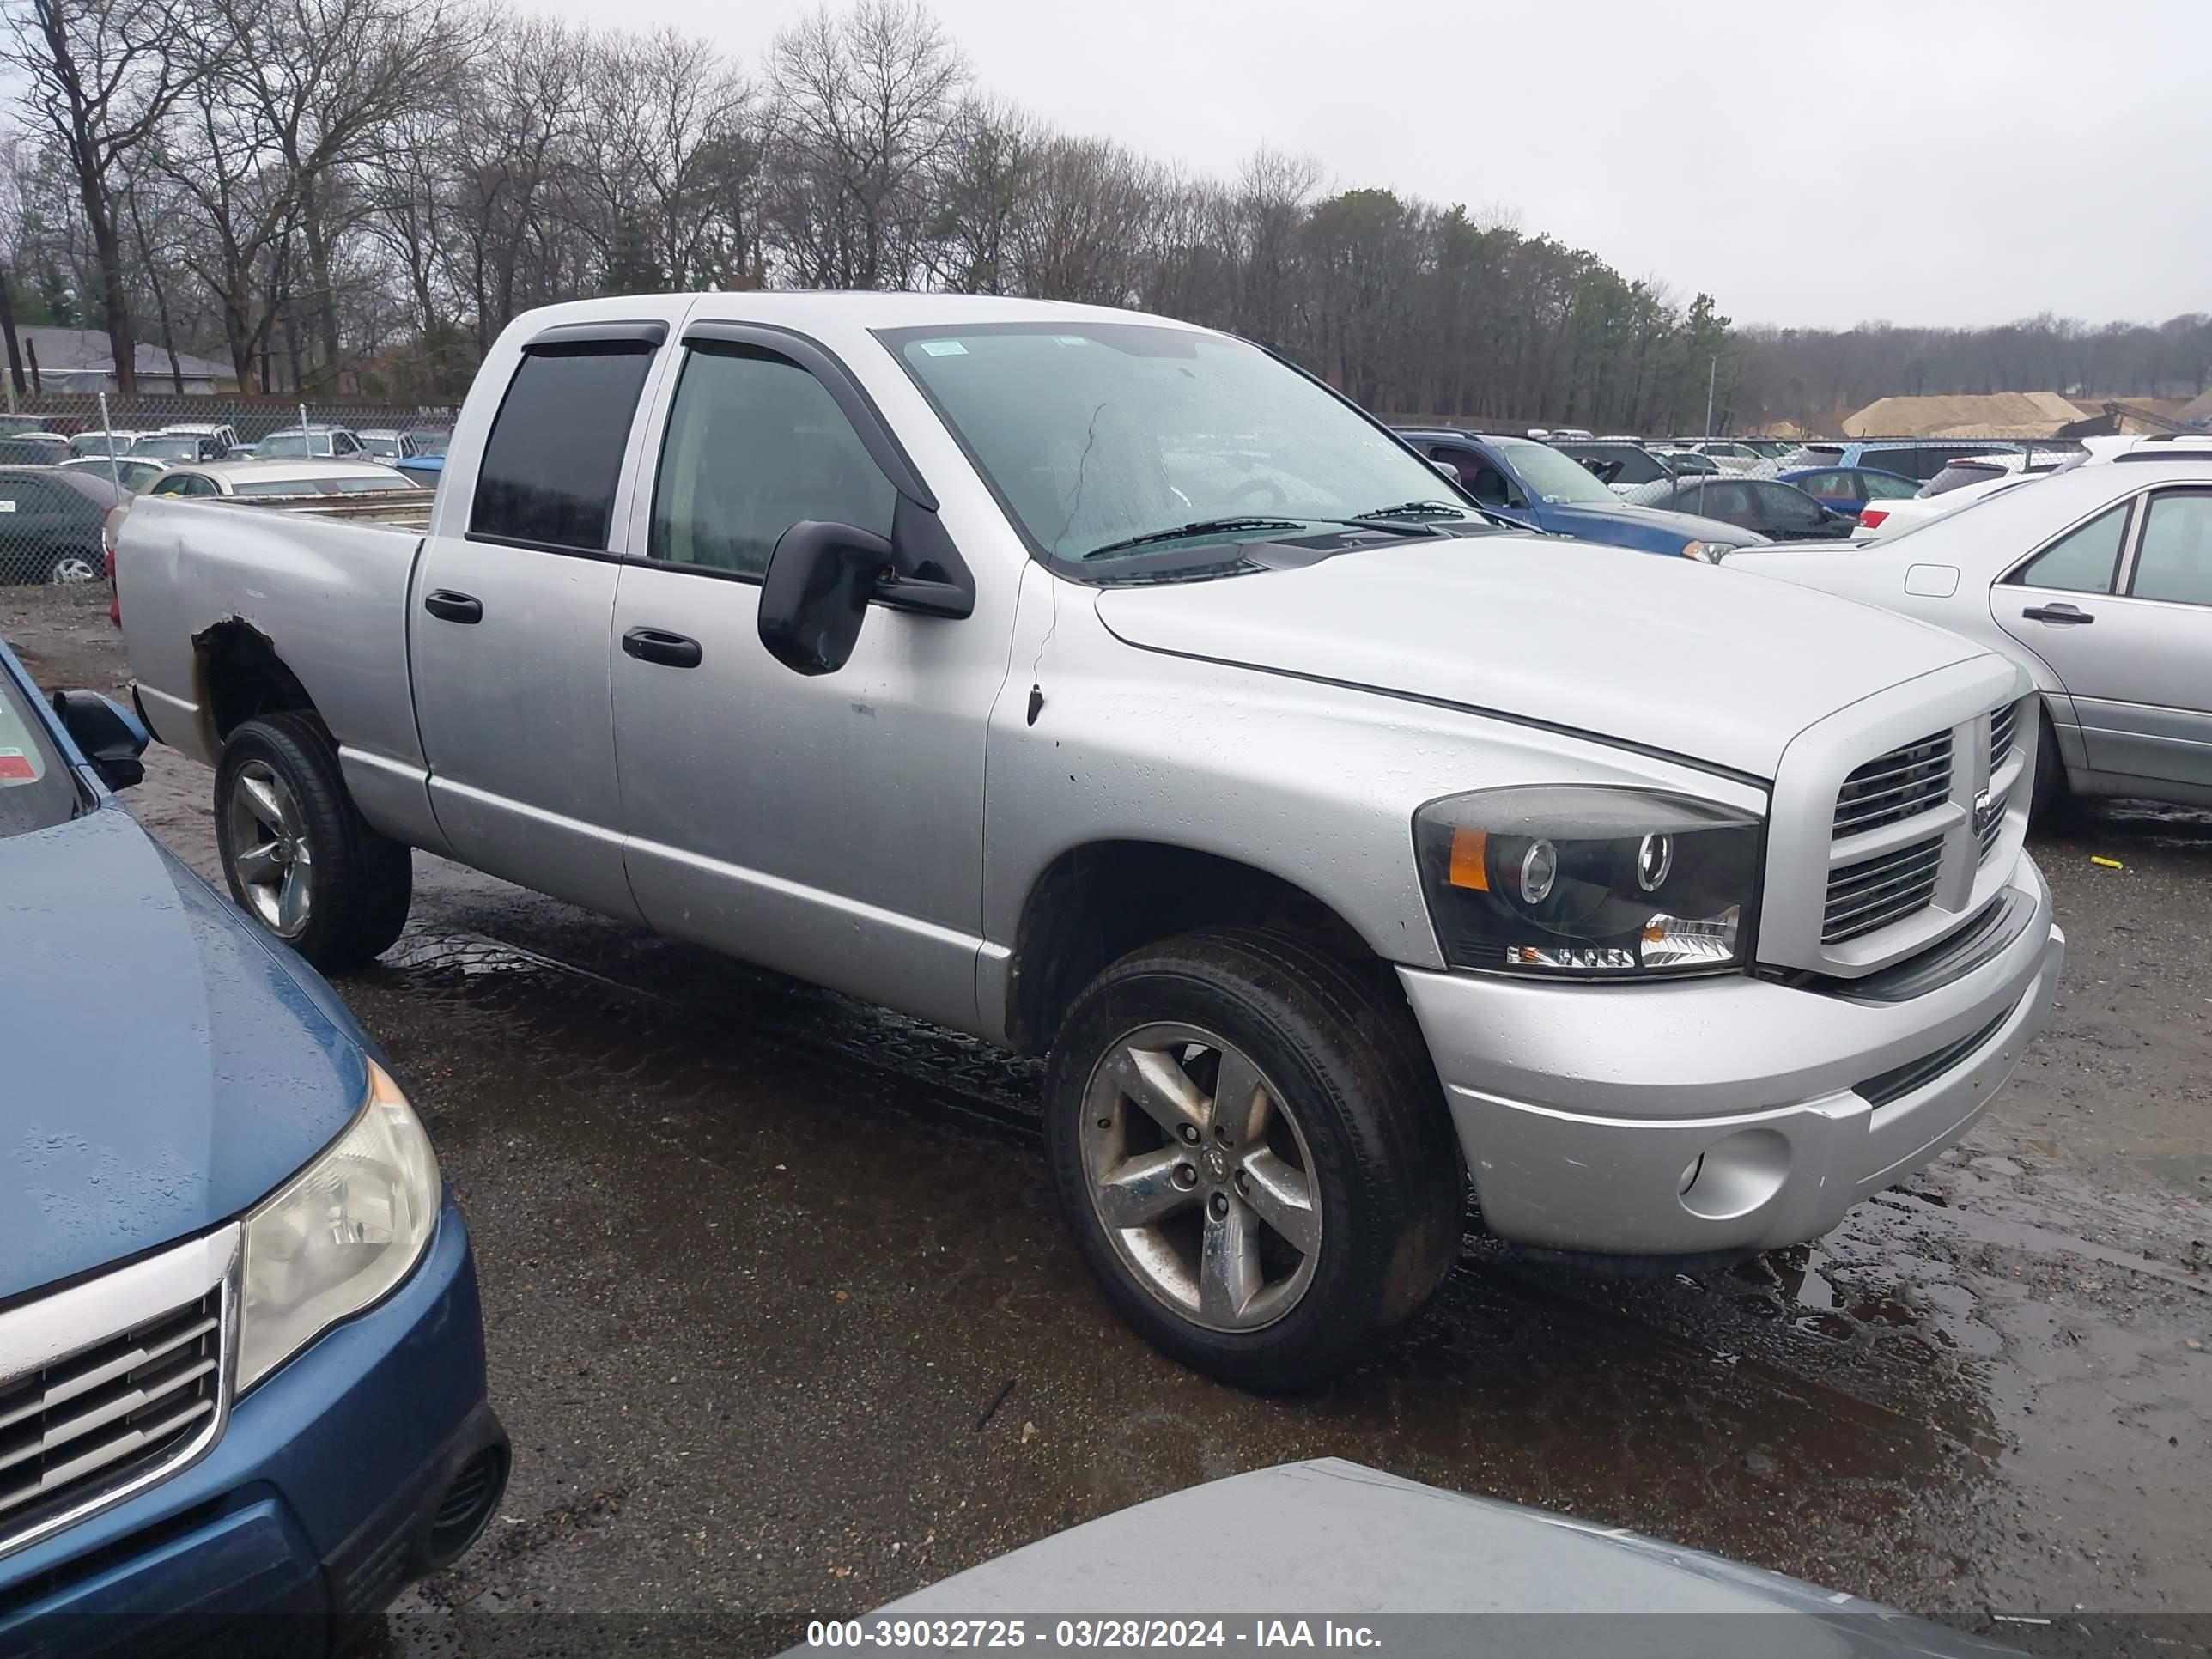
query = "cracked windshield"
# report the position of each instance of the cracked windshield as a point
(1113, 440)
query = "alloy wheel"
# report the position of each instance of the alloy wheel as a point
(271, 858)
(1199, 1175)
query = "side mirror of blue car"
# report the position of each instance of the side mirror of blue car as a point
(111, 736)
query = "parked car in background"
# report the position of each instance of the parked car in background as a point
(1620, 464)
(33, 449)
(424, 469)
(133, 472)
(1773, 510)
(242, 1392)
(222, 437)
(1685, 462)
(52, 524)
(279, 477)
(1958, 486)
(1917, 458)
(338, 442)
(10, 425)
(1847, 489)
(181, 447)
(2097, 581)
(393, 447)
(98, 442)
(1542, 487)
(1338, 846)
(1343, 1542)
(1731, 454)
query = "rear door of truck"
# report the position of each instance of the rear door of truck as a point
(511, 617)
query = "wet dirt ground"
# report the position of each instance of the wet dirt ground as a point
(757, 1262)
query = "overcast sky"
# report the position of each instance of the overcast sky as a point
(1925, 163)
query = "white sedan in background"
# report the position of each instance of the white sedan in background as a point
(2098, 581)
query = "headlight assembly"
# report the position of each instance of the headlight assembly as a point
(1708, 552)
(338, 1235)
(1589, 882)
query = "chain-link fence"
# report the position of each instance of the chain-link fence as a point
(68, 461)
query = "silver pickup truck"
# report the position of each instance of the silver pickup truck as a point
(1109, 689)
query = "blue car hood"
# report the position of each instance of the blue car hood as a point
(161, 1067)
(1576, 519)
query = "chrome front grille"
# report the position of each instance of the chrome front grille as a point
(1876, 892)
(1992, 830)
(114, 1383)
(1890, 826)
(90, 1418)
(2000, 722)
(1893, 787)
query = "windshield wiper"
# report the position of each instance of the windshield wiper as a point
(1416, 510)
(1429, 510)
(1197, 527)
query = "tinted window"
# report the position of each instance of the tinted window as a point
(1883, 487)
(555, 455)
(1960, 474)
(1791, 508)
(1829, 486)
(2175, 560)
(1812, 455)
(1481, 480)
(754, 444)
(2083, 561)
(1621, 463)
(174, 484)
(1714, 498)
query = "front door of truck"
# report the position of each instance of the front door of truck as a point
(828, 826)
(508, 626)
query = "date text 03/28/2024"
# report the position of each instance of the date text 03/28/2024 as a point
(1126, 1633)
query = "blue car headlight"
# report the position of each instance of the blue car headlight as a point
(340, 1235)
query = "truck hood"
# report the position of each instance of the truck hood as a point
(161, 1067)
(1581, 518)
(1690, 659)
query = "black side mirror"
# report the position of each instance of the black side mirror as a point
(110, 735)
(820, 579)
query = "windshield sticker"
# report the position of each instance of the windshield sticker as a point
(945, 348)
(16, 767)
(1069, 339)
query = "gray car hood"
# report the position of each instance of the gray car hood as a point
(1665, 654)
(1333, 1538)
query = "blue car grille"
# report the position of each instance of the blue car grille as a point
(76, 1426)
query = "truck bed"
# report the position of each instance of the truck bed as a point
(324, 579)
(407, 509)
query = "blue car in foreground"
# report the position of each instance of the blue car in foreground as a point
(1534, 484)
(242, 1396)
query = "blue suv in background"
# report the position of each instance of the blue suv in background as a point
(1534, 484)
(242, 1395)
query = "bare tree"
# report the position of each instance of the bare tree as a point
(983, 180)
(102, 76)
(316, 81)
(863, 115)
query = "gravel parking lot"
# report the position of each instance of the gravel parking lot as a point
(783, 1324)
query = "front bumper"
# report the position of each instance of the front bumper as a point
(357, 1466)
(1717, 1115)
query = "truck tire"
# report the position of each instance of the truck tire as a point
(1270, 1245)
(300, 860)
